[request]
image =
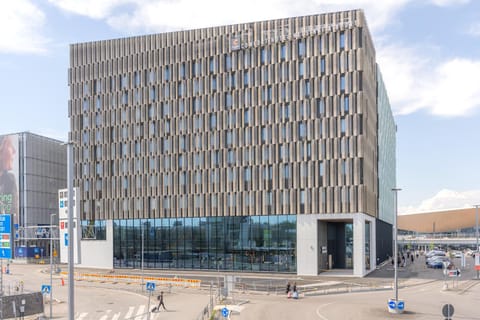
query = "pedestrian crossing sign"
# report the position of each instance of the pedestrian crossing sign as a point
(45, 288)
(150, 286)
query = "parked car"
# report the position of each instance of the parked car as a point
(438, 262)
(434, 254)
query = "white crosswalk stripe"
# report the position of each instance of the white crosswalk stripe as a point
(141, 311)
(106, 316)
(129, 313)
(82, 316)
(134, 313)
(116, 316)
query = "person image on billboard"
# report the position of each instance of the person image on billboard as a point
(8, 183)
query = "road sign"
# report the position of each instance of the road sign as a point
(5, 234)
(66, 239)
(225, 312)
(46, 288)
(392, 304)
(454, 273)
(5, 223)
(150, 286)
(447, 310)
(400, 305)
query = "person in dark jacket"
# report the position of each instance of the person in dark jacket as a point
(160, 303)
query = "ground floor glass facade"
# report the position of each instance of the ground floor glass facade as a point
(250, 243)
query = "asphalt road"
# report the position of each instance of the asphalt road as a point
(422, 289)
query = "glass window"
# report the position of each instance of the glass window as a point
(246, 117)
(151, 76)
(181, 71)
(264, 134)
(231, 157)
(180, 89)
(228, 62)
(301, 48)
(248, 174)
(320, 107)
(301, 68)
(212, 65)
(283, 51)
(167, 73)
(213, 121)
(136, 78)
(124, 81)
(229, 138)
(196, 68)
(213, 83)
(342, 40)
(307, 88)
(302, 130)
(152, 94)
(346, 104)
(322, 65)
(228, 99)
(342, 82)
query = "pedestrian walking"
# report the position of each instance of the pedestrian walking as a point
(160, 303)
(295, 292)
(288, 288)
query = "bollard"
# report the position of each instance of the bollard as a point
(63, 282)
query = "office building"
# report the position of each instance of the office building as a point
(263, 146)
(32, 169)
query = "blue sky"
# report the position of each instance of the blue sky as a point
(428, 51)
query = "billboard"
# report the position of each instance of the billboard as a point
(9, 176)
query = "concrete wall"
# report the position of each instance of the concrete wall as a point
(310, 259)
(307, 244)
(98, 253)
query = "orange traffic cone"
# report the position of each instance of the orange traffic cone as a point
(63, 282)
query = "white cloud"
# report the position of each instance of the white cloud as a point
(21, 23)
(444, 200)
(163, 15)
(445, 3)
(416, 81)
(474, 29)
(158, 16)
(94, 9)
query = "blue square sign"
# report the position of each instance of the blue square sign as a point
(150, 286)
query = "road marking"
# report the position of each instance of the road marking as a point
(321, 307)
(116, 316)
(141, 311)
(129, 313)
(105, 317)
(82, 316)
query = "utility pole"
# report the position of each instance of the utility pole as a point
(477, 251)
(51, 262)
(71, 237)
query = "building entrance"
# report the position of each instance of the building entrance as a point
(340, 244)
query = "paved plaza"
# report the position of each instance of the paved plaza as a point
(332, 295)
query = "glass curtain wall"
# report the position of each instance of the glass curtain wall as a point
(253, 243)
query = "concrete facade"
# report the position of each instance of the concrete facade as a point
(251, 120)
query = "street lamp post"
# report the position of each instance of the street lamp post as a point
(395, 231)
(394, 306)
(51, 260)
(143, 246)
(71, 237)
(476, 235)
